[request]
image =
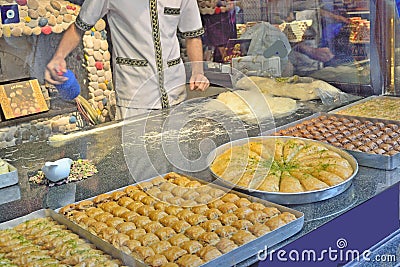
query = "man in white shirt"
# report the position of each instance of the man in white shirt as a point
(147, 68)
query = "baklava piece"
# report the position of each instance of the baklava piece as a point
(168, 220)
(153, 191)
(271, 211)
(212, 214)
(191, 246)
(164, 195)
(153, 226)
(215, 192)
(158, 181)
(160, 247)
(184, 214)
(203, 199)
(173, 253)
(107, 233)
(179, 191)
(180, 226)
(259, 229)
(215, 204)
(93, 212)
(256, 206)
(228, 207)
(190, 195)
(196, 219)
(130, 245)
(228, 219)
(225, 245)
(145, 210)
(199, 209)
(241, 213)
(165, 233)
(178, 239)
(211, 225)
(118, 211)
(167, 187)
(193, 184)
(208, 238)
(96, 227)
(148, 239)
(145, 185)
(125, 201)
(117, 195)
(156, 260)
(103, 217)
(139, 195)
(172, 210)
(136, 233)
(257, 216)
(194, 232)
(242, 202)
(189, 261)
(118, 240)
(209, 253)
(134, 205)
(68, 208)
(160, 206)
(242, 237)
(84, 205)
(131, 189)
(280, 220)
(142, 253)
(108, 206)
(130, 216)
(141, 221)
(148, 200)
(156, 215)
(230, 197)
(226, 231)
(125, 227)
(242, 224)
(86, 222)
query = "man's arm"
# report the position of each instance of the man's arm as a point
(57, 65)
(195, 53)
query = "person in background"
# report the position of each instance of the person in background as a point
(147, 68)
(219, 28)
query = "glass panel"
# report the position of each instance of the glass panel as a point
(327, 39)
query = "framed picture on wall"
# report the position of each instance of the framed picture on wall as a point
(19, 98)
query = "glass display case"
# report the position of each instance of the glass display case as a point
(350, 44)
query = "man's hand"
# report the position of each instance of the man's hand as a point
(55, 70)
(199, 82)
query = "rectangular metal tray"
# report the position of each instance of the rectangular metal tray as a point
(9, 178)
(376, 161)
(99, 243)
(247, 250)
(334, 111)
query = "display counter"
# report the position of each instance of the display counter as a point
(145, 146)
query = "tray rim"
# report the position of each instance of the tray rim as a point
(345, 184)
(255, 245)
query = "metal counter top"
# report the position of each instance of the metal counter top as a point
(163, 141)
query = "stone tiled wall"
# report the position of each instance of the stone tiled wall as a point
(26, 48)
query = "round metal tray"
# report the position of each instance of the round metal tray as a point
(287, 198)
